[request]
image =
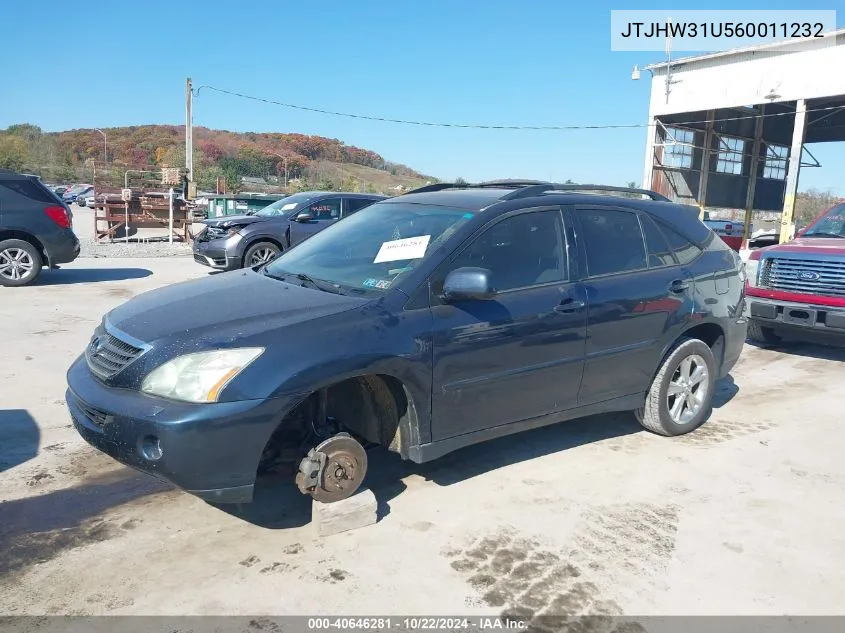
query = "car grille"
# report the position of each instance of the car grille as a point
(107, 354)
(807, 276)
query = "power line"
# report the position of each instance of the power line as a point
(501, 127)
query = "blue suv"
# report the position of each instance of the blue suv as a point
(422, 324)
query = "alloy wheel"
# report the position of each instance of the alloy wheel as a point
(15, 263)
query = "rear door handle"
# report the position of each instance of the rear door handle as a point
(679, 285)
(570, 305)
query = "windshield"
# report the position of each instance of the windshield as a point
(369, 251)
(279, 207)
(831, 224)
(78, 188)
(285, 205)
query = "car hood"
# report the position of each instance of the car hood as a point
(233, 220)
(224, 307)
(810, 246)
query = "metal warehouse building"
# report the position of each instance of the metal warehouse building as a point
(711, 147)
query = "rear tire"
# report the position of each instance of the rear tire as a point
(680, 398)
(762, 334)
(20, 263)
(260, 254)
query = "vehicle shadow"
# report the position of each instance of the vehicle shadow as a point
(19, 438)
(822, 348)
(726, 390)
(64, 276)
(506, 451)
(37, 528)
(278, 504)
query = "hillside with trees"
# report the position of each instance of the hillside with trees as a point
(311, 161)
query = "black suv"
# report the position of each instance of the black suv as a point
(423, 323)
(35, 229)
(243, 241)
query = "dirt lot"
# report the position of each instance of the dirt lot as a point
(744, 516)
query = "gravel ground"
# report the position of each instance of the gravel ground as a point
(83, 226)
(134, 249)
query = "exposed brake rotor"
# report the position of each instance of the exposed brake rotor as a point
(333, 470)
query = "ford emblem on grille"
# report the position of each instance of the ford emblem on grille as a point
(809, 275)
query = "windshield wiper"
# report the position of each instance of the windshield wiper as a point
(319, 284)
(823, 234)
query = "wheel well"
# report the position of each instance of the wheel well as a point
(713, 336)
(26, 237)
(375, 407)
(258, 240)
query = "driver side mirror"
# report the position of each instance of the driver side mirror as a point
(304, 217)
(468, 284)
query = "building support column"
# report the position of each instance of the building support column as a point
(752, 174)
(648, 168)
(793, 169)
(704, 171)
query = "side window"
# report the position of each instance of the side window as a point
(659, 253)
(326, 209)
(521, 251)
(30, 190)
(356, 204)
(684, 250)
(613, 241)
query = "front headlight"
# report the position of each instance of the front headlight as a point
(199, 377)
(752, 269)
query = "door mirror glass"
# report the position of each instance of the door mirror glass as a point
(304, 217)
(468, 284)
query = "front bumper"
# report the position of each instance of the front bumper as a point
(210, 450)
(793, 315)
(220, 254)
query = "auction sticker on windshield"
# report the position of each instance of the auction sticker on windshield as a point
(406, 248)
(289, 206)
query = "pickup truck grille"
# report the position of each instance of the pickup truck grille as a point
(106, 355)
(807, 276)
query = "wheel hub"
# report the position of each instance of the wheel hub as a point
(15, 263)
(333, 470)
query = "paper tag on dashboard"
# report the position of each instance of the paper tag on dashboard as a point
(289, 206)
(406, 248)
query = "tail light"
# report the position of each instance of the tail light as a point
(59, 216)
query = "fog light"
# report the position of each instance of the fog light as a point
(151, 448)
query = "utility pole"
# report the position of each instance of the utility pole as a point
(189, 130)
(105, 146)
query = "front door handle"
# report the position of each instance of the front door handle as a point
(570, 305)
(679, 285)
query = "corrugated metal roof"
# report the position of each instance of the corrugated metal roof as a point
(737, 55)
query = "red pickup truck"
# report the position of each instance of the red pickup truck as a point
(799, 285)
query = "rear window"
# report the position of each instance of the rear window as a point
(29, 189)
(685, 251)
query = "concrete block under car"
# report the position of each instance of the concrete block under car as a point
(357, 511)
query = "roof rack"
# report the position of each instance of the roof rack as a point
(498, 184)
(534, 190)
(529, 188)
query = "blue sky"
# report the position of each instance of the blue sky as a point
(493, 62)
